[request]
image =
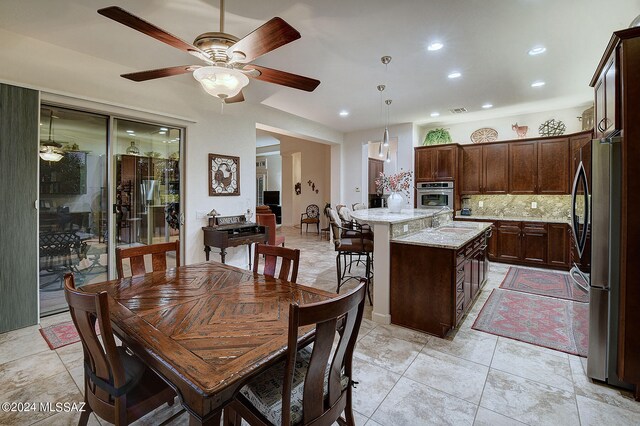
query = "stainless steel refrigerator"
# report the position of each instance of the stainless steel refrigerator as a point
(596, 208)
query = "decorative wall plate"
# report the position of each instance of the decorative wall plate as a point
(552, 128)
(485, 134)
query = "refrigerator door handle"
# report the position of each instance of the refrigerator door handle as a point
(575, 271)
(579, 239)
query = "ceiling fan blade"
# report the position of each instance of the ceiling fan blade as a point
(273, 34)
(125, 18)
(237, 98)
(283, 78)
(159, 73)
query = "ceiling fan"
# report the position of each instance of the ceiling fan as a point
(227, 57)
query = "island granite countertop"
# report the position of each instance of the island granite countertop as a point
(452, 235)
(383, 215)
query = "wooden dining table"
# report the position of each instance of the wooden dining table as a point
(206, 328)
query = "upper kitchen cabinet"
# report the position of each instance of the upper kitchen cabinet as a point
(484, 169)
(605, 89)
(580, 146)
(539, 167)
(553, 167)
(435, 163)
(523, 167)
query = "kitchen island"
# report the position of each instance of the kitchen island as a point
(436, 275)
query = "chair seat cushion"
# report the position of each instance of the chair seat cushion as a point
(310, 220)
(133, 368)
(265, 391)
(355, 245)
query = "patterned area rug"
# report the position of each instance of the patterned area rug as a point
(553, 323)
(544, 283)
(62, 334)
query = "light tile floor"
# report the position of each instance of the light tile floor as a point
(405, 377)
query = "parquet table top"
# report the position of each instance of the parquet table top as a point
(205, 328)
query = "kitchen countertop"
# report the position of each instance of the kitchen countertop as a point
(382, 215)
(452, 235)
(514, 218)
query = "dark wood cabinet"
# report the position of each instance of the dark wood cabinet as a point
(471, 170)
(534, 243)
(559, 243)
(495, 169)
(530, 243)
(432, 288)
(436, 163)
(508, 241)
(581, 151)
(375, 168)
(523, 167)
(553, 167)
(484, 169)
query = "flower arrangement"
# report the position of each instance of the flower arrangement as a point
(399, 182)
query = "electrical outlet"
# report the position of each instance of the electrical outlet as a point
(357, 189)
(405, 228)
(534, 205)
(481, 204)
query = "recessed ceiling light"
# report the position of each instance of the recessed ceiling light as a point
(537, 50)
(435, 46)
(162, 132)
(344, 113)
(163, 129)
(435, 114)
(130, 131)
(487, 106)
(538, 84)
(455, 74)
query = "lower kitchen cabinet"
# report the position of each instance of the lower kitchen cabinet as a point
(432, 288)
(530, 243)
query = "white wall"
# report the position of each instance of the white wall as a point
(355, 164)
(461, 132)
(305, 161)
(75, 79)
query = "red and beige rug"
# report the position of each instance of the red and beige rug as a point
(550, 322)
(544, 283)
(61, 334)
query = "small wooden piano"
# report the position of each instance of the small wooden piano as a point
(232, 231)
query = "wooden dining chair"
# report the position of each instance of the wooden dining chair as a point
(313, 385)
(269, 220)
(136, 255)
(288, 263)
(310, 216)
(117, 385)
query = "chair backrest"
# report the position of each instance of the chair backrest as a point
(335, 223)
(313, 211)
(345, 213)
(290, 258)
(359, 206)
(263, 209)
(268, 220)
(343, 316)
(101, 359)
(136, 257)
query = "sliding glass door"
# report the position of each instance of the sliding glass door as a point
(73, 202)
(146, 184)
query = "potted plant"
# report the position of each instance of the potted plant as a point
(437, 137)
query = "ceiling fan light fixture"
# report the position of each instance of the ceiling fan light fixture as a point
(221, 82)
(49, 152)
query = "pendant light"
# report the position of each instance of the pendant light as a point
(385, 137)
(50, 150)
(381, 88)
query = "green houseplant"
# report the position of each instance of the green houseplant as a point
(437, 137)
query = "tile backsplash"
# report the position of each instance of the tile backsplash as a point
(549, 206)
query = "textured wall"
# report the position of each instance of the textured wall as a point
(549, 206)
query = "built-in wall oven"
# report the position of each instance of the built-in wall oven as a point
(434, 195)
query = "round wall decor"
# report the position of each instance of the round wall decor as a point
(485, 134)
(552, 128)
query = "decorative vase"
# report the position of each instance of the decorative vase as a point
(395, 202)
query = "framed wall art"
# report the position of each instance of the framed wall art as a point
(224, 175)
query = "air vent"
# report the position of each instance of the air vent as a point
(457, 110)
